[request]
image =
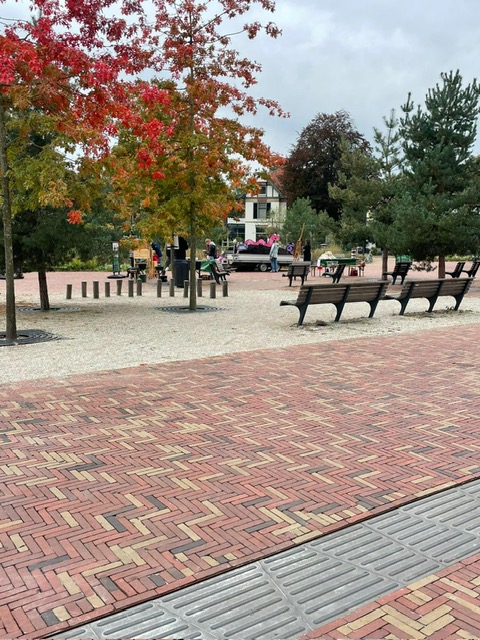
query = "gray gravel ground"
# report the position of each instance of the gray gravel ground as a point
(121, 332)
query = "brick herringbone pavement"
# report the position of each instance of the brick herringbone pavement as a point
(120, 486)
(442, 606)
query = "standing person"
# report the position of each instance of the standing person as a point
(274, 256)
(211, 249)
(307, 252)
(181, 246)
(157, 250)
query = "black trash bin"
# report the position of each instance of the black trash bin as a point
(182, 269)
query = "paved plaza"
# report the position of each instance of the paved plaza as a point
(123, 485)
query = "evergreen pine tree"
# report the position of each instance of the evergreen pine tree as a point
(366, 189)
(436, 213)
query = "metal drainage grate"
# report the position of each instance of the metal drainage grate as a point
(54, 309)
(27, 336)
(176, 309)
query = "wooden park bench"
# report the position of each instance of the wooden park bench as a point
(457, 272)
(338, 295)
(217, 272)
(400, 271)
(432, 290)
(297, 270)
(472, 272)
(337, 274)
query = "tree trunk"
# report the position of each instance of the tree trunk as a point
(43, 289)
(172, 258)
(441, 266)
(192, 241)
(192, 209)
(10, 316)
(384, 263)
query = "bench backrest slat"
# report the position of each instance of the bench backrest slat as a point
(427, 288)
(322, 295)
(458, 270)
(366, 294)
(401, 267)
(298, 269)
(358, 291)
(472, 272)
(452, 287)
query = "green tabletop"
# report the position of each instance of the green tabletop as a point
(334, 261)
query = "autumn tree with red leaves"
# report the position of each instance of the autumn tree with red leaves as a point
(67, 62)
(208, 152)
(58, 63)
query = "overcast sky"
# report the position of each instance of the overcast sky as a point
(363, 56)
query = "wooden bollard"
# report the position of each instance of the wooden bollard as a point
(130, 288)
(225, 289)
(139, 287)
(185, 288)
(84, 289)
(96, 289)
(107, 289)
(199, 288)
(159, 288)
(172, 287)
(69, 291)
(119, 287)
(213, 289)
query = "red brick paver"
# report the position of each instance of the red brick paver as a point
(443, 606)
(123, 485)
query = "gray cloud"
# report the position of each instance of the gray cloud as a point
(361, 56)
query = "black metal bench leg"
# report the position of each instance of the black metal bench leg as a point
(303, 311)
(373, 306)
(432, 301)
(458, 301)
(339, 307)
(403, 306)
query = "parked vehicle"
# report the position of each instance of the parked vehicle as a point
(255, 255)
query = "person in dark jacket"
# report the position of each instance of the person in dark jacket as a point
(307, 252)
(181, 250)
(211, 248)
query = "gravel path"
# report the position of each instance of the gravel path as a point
(118, 332)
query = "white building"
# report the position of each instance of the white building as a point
(262, 210)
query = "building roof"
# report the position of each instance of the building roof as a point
(276, 178)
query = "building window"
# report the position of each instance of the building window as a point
(236, 232)
(261, 210)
